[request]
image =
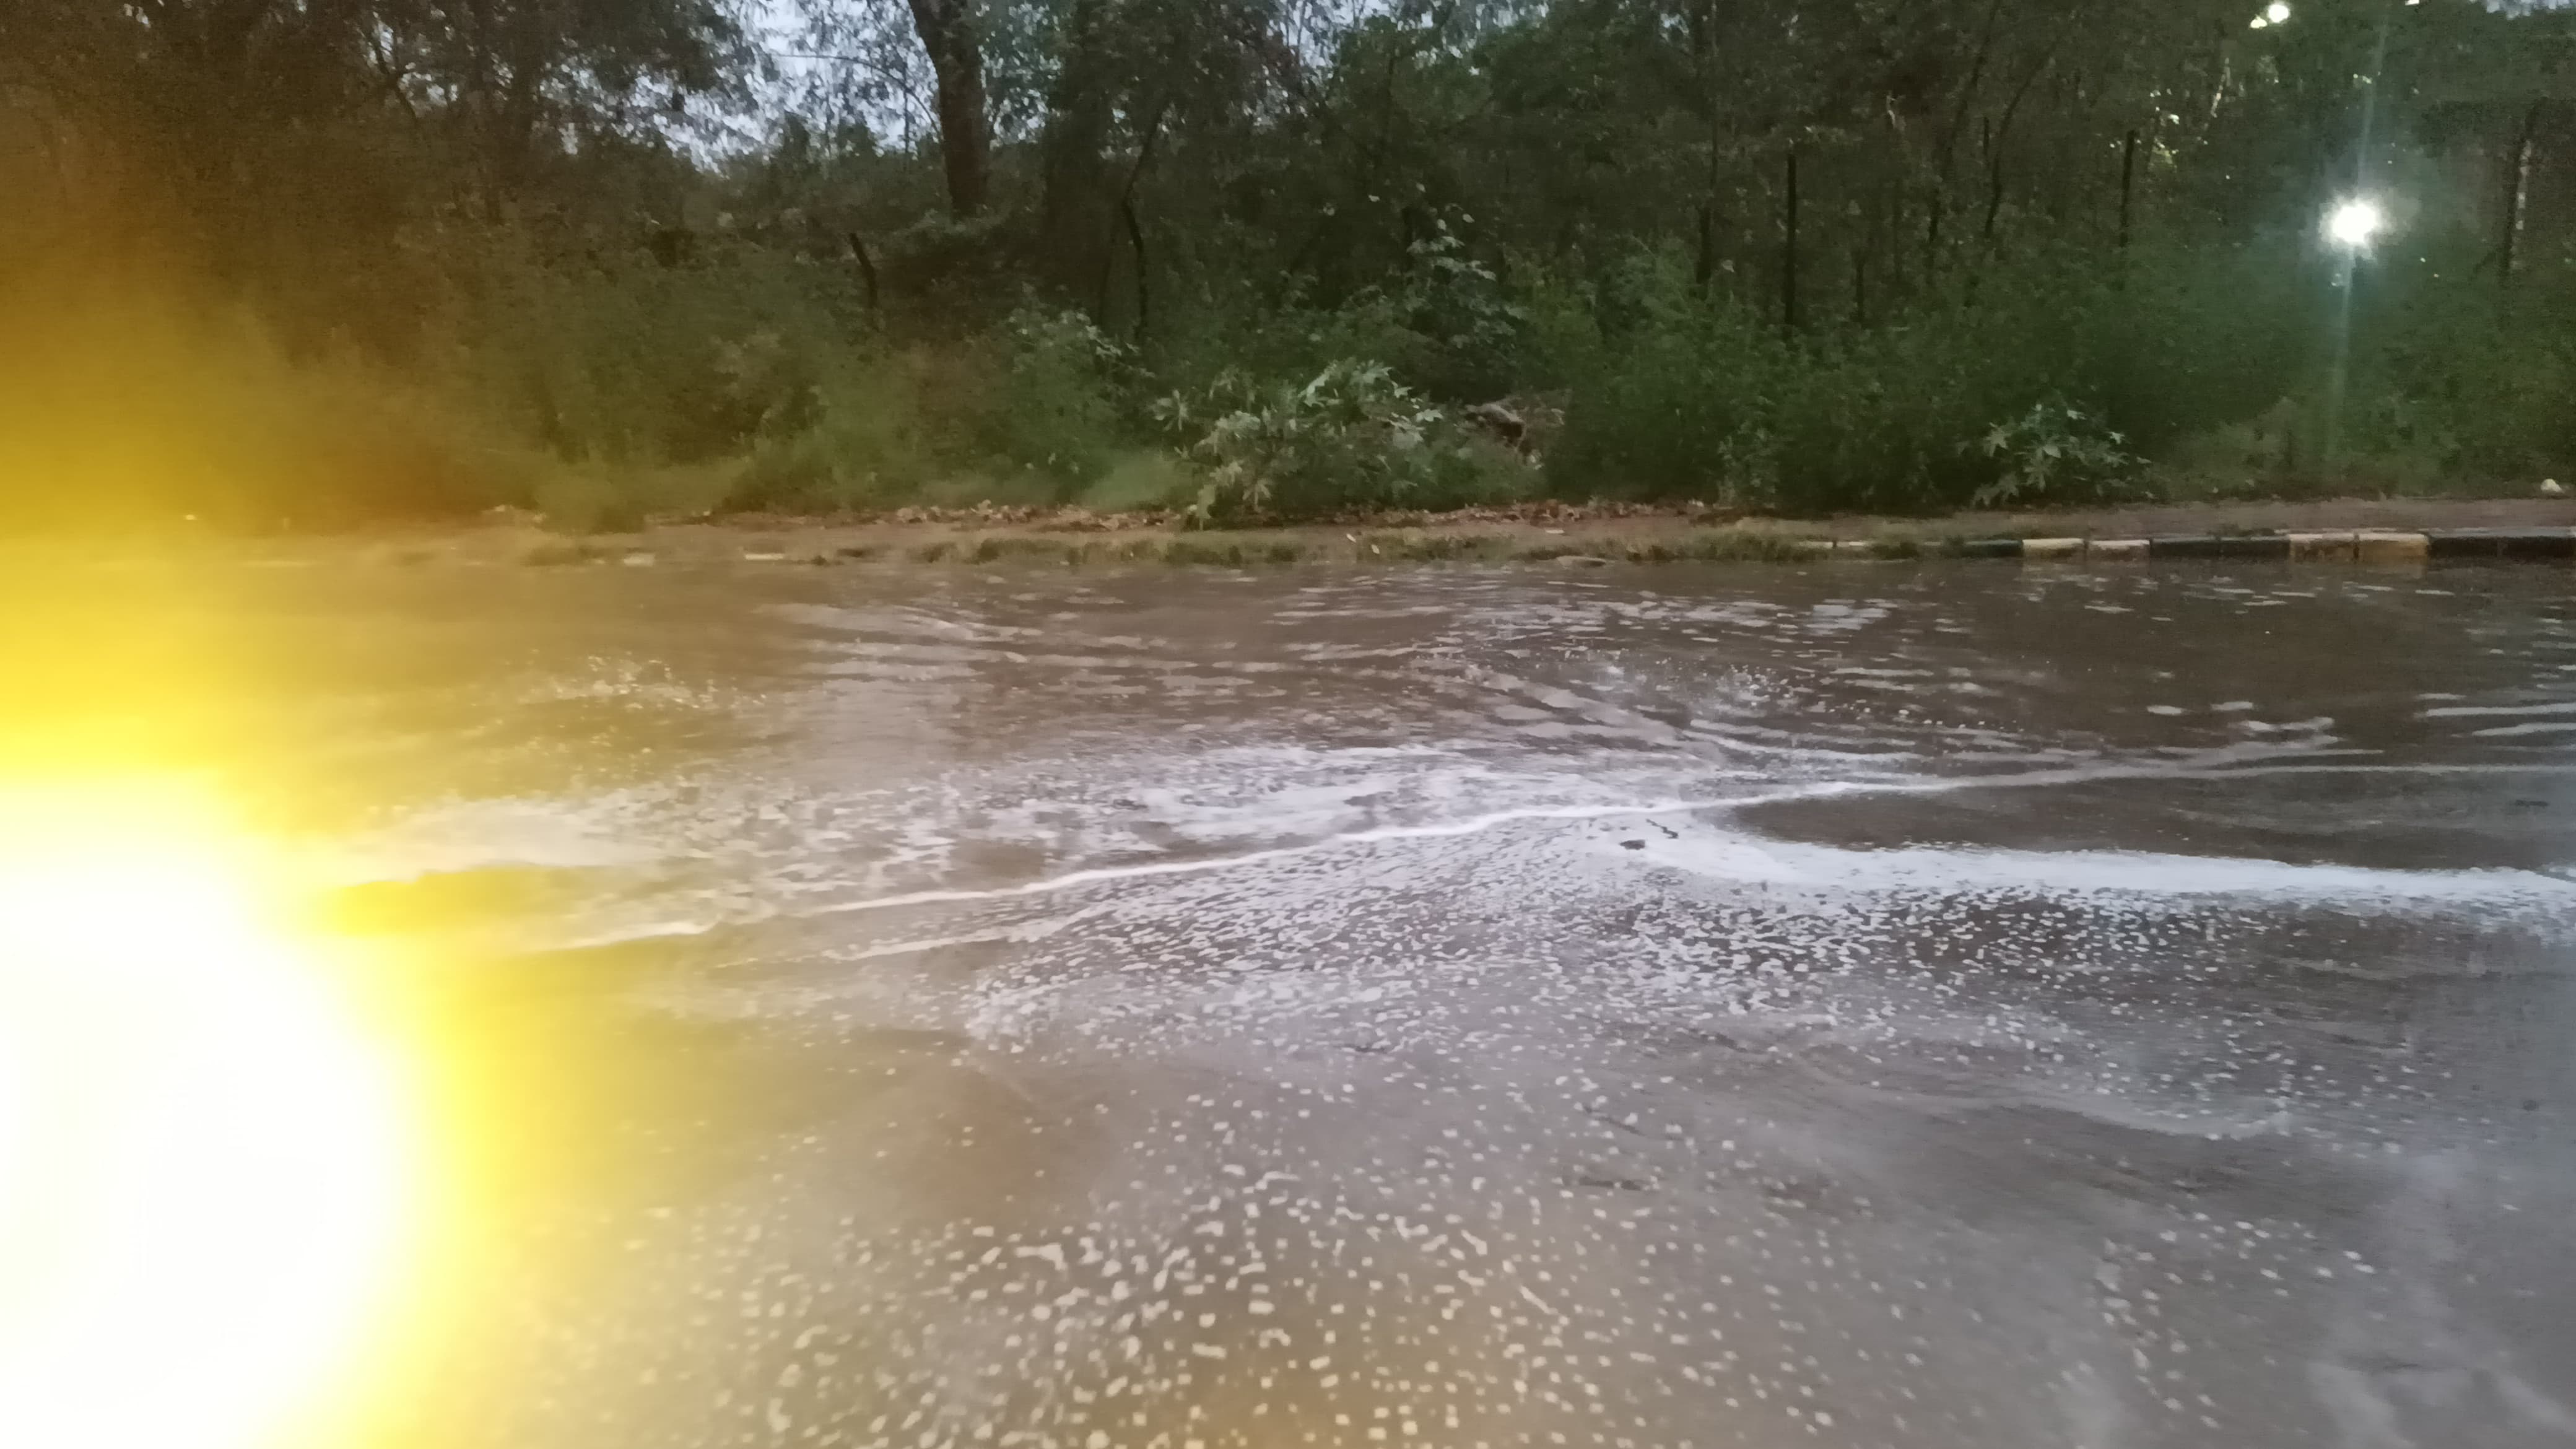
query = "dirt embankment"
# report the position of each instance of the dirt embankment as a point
(1533, 533)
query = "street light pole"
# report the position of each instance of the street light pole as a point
(2353, 224)
(2350, 227)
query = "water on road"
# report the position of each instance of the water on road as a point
(1940, 1007)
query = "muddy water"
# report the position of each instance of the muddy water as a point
(1955, 1008)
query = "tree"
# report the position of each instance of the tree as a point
(952, 37)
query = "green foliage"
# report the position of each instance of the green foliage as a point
(579, 501)
(1031, 414)
(1676, 398)
(1054, 408)
(866, 446)
(1958, 400)
(1140, 478)
(122, 404)
(1468, 329)
(2054, 453)
(1350, 438)
(1699, 398)
(412, 266)
(2477, 386)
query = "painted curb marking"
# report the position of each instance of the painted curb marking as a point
(2376, 546)
(2365, 545)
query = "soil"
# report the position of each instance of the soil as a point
(984, 536)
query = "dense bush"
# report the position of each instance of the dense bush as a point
(1055, 405)
(125, 404)
(1700, 398)
(608, 388)
(1349, 439)
(2476, 385)
(2047, 380)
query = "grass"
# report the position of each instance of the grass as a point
(1186, 550)
(1724, 545)
(1258, 549)
(596, 498)
(556, 555)
(1234, 552)
(1139, 480)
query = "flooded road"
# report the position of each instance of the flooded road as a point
(1950, 1007)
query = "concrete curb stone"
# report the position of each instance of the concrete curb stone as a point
(2368, 546)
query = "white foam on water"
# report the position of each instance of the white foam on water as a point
(599, 832)
(1754, 860)
(2487, 711)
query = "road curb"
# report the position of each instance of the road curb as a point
(2367, 546)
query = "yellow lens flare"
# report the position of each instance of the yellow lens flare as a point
(207, 1157)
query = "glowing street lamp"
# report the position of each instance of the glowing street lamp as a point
(2353, 224)
(2276, 13)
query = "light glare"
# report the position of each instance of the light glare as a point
(2354, 223)
(205, 1161)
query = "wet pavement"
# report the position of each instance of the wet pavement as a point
(1952, 1007)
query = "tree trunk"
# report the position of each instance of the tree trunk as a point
(1704, 266)
(475, 102)
(1144, 268)
(1126, 209)
(867, 274)
(2517, 196)
(514, 137)
(2003, 131)
(1702, 19)
(1945, 151)
(1789, 250)
(1073, 205)
(947, 30)
(2128, 185)
(1994, 196)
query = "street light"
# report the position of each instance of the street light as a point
(2352, 224)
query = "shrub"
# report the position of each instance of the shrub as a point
(1677, 402)
(2478, 382)
(1141, 479)
(1469, 329)
(1349, 438)
(865, 448)
(123, 404)
(1052, 407)
(1687, 396)
(2054, 454)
